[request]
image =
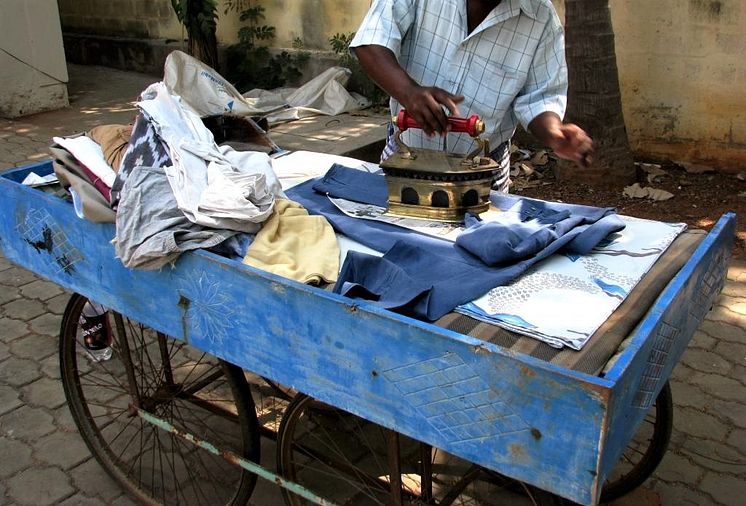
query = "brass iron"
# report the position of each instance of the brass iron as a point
(436, 185)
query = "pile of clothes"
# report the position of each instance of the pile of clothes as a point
(170, 188)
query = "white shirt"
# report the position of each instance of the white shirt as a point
(510, 68)
(217, 187)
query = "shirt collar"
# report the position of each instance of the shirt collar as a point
(529, 7)
(511, 8)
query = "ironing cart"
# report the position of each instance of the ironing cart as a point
(365, 406)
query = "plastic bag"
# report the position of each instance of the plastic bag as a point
(202, 88)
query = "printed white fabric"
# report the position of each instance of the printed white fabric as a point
(214, 186)
(566, 298)
(203, 89)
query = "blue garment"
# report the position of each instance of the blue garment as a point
(516, 235)
(350, 184)
(427, 277)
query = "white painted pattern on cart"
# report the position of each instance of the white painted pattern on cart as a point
(455, 400)
(209, 310)
(685, 322)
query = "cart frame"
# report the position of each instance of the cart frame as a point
(560, 430)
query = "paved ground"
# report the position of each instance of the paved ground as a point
(44, 461)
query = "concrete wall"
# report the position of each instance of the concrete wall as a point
(144, 19)
(314, 21)
(33, 74)
(682, 75)
(679, 60)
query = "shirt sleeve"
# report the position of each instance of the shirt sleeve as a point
(385, 24)
(546, 87)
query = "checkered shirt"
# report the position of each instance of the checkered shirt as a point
(510, 68)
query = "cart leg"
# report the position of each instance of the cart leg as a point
(426, 463)
(126, 358)
(392, 440)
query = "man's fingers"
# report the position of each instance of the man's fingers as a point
(451, 102)
(427, 105)
(438, 118)
(578, 144)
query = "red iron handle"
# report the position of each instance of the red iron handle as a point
(471, 125)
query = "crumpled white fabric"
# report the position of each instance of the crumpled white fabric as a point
(325, 94)
(89, 153)
(207, 93)
(214, 186)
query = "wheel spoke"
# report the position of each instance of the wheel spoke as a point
(345, 459)
(190, 390)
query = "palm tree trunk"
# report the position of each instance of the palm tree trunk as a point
(204, 47)
(594, 99)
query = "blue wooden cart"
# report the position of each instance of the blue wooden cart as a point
(556, 429)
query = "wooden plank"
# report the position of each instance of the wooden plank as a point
(517, 415)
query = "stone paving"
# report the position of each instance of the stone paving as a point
(43, 460)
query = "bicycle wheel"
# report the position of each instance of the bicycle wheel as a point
(645, 451)
(348, 460)
(193, 391)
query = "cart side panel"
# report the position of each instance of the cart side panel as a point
(662, 337)
(522, 417)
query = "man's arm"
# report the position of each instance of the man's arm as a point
(567, 140)
(425, 103)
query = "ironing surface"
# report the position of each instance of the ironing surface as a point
(595, 319)
(567, 297)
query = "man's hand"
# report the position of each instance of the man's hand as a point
(572, 143)
(567, 140)
(426, 104)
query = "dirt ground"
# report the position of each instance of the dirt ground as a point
(699, 198)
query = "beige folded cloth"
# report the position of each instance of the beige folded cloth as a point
(113, 140)
(295, 245)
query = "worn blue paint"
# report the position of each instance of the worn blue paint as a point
(523, 417)
(661, 338)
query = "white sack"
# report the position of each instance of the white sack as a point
(203, 89)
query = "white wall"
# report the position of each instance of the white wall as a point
(33, 72)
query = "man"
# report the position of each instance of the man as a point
(503, 60)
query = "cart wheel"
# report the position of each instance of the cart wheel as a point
(195, 392)
(346, 459)
(646, 450)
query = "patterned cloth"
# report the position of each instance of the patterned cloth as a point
(510, 68)
(144, 149)
(420, 275)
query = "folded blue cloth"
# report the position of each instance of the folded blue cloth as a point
(351, 184)
(427, 277)
(517, 234)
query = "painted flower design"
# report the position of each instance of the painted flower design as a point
(208, 311)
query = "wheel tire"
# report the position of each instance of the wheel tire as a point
(660, 418)
(205, 397)
(344, 459)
